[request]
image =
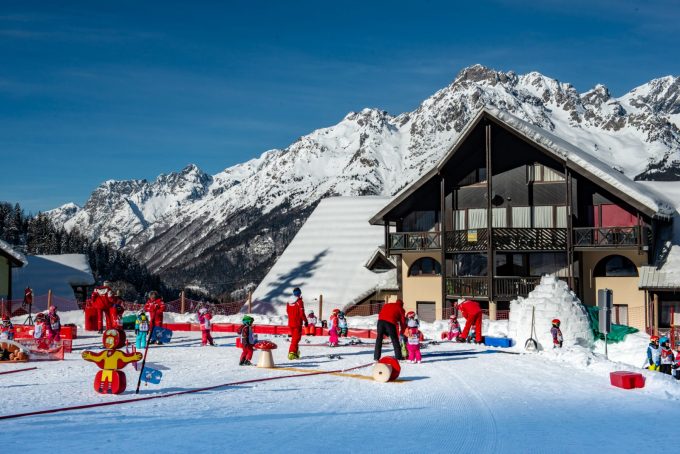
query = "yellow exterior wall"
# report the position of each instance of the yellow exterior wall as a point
(4, 277)
(420, 288)
(625, 289)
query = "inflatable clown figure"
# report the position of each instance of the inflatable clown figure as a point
(111, 380)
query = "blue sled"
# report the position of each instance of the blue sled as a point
(497, 341)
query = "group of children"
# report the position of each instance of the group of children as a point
(661, 358)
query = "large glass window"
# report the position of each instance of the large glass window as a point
(500, 217)
(511, 265)
(426, 266)
(469, 265)
(521, 217)
(459, 220)
(548, 263)
(615, 266)
(477, 218)
(543, 217)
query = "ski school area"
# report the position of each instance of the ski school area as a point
(462, 397)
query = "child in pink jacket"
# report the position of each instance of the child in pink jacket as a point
(413, 338)
(333, 328)
(204, 318)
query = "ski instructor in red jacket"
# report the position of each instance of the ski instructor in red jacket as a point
(473, 314)
(391, 316)
(296, 318)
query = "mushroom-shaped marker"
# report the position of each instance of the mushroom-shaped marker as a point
(266, 359)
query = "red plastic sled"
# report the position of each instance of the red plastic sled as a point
(392, 362)
(627, 380)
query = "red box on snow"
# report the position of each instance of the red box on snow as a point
(361, 333)
(69, 332)
(626, 380)
(90, 318)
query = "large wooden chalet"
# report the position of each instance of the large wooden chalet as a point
(510, 202)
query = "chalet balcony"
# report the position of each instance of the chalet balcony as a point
(507, 239)
(505, 288)
(415, 241)
(610, 237)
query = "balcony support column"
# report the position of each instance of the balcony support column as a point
(490, 265)
(493, 306)
(442, 243)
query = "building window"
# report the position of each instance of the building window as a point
(541, 263)
(421, 221)
(511, 265)
(615, 266)
(425, 266)
(468, 265)
(475, 177)
(538, 173)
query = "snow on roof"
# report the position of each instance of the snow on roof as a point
(6, 248)
(54, 272)
(572, 154)
(327, 257)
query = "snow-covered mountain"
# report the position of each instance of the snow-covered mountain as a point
(214, 230)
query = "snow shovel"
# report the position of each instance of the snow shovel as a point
(531, 345)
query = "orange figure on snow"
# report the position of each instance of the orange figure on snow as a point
(111, 380)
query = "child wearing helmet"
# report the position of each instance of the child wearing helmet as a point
(556, 334)
(204, 318)
(454, 328)
(6, 329)
(53, 325)
(413, 339)
(142, 327)
(333, 328)
(342, 325)
(666, 357)
(411, 320)
(40, 330)
(311, 324)
(248, 339)
(654, 353)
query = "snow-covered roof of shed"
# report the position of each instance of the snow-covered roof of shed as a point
(54, 272)
(328, 257)
(9, 250)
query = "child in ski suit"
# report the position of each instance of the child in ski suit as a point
(454, 328)
(40, 331)
(556, 334)
(311, 324)
(142, 327)
(414, 336)
(295, 309)
(6, 329)
(53, 325)
(204, 317)
(666, 357)
(333, 328)
(654, 353)
(247, 341)
(342, 325)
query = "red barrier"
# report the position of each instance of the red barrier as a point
(177, 326)
(365, 333)
(225, 327)
(90, 319)
(282, 330)
(264, 329)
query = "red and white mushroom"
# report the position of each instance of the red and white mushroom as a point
(266, 359)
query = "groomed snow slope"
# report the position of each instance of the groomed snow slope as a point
(460, 399)
(327, 257)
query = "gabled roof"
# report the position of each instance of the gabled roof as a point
(379, 255)
(642, 198)
(15, 257)
(327, 257)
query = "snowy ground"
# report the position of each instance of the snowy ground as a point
(462, 398)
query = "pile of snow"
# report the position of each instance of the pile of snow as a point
(550, 299)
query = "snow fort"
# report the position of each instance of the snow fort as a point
(551, 299)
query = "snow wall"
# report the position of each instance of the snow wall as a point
(551, 299)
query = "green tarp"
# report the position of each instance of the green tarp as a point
(618, 332)
(129, 321)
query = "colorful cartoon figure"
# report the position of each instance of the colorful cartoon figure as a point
(111, 380)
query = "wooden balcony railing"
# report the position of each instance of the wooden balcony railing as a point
(527, 239)
(467, 240)
(415, 241)
(512, 287)
(467, 287)
(610, 237)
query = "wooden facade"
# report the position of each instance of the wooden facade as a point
(501, 210)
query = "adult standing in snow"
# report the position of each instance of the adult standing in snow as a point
(102, 300)
(391, 317)
(296, 318)
(473, 315)
(155, 307)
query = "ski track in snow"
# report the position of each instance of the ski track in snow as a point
(462, 398)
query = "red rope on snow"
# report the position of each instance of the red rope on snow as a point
(18, 370)
(178, 393)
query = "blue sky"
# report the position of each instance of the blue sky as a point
(91, 91)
